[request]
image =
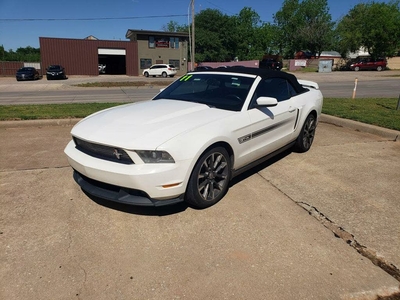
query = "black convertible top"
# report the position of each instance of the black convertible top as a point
(263, 73)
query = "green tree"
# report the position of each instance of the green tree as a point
(286, 21)
(247, 35)
(374, 26)
(173, 26)
(27, 54)
(214, 36)
(305, 25)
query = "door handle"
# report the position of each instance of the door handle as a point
(292, 109)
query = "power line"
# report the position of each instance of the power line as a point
(90, 19)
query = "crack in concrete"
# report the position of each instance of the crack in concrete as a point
(349, 238)
(73, 257)
(34, 169)
(341, 233)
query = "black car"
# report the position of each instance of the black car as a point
(27, 73)
(55, 72)
(203, 68)
(270, 63)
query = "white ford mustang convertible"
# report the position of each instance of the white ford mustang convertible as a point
(191, 139)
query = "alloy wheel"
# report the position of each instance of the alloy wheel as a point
(309, 132)
(213, 176)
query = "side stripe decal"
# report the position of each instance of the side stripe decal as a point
(258, 133)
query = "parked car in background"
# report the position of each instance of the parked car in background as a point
(191, 139)
(102, 69)
(163, 70)
(27, 73)
(369, 64)
(55, 72)
(271, 63)
(203, 68)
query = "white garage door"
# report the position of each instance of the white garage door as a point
(105, 51)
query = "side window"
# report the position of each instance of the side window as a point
(276, 88)
(292, 91)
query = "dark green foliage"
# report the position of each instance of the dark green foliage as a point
(305, 25)
(374, 26)
(28, 54)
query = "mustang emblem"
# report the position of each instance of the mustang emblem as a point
(117, 154)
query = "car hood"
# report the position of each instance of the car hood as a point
(145, 125)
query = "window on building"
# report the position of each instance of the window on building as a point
(145, 63)
(175, 63)
(174, 42)
(151, 42)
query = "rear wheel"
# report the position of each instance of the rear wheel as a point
(210, 178)
(379, 68)
(306, 136)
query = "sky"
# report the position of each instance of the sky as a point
(22, 22)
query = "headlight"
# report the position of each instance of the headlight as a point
(153, 157)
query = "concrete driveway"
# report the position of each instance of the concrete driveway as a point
(301, 226)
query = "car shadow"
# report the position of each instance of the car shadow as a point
(260, 167)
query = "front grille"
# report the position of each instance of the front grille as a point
(103, 152)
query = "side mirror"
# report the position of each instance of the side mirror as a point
(267, 101)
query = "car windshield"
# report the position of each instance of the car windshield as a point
(54, 68)
(224, 91)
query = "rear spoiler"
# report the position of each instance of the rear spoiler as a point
(309, 84)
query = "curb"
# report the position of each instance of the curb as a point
(38, 123)
(362, 127)
(357, 126)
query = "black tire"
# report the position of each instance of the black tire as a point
(379, 68)
(146, 74)
(357, 69)
(164, 74)
(306, 136)
(210, 178)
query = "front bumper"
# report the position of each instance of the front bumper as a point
(140, 184)
(55, 75)
(25, 77)
(119, 194)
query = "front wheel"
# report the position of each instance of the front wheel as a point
(210, 178)
(357, 69)
(306, 136)
(379, 68)
(146, 74)
(164, 74)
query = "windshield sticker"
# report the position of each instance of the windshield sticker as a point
(185, 78)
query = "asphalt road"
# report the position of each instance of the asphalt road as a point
(336, 84)
(81, 95)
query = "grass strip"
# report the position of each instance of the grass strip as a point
(376, 111)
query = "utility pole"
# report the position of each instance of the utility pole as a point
(192, 58)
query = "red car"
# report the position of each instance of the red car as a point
(369, 64)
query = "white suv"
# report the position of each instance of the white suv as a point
(163, 70)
